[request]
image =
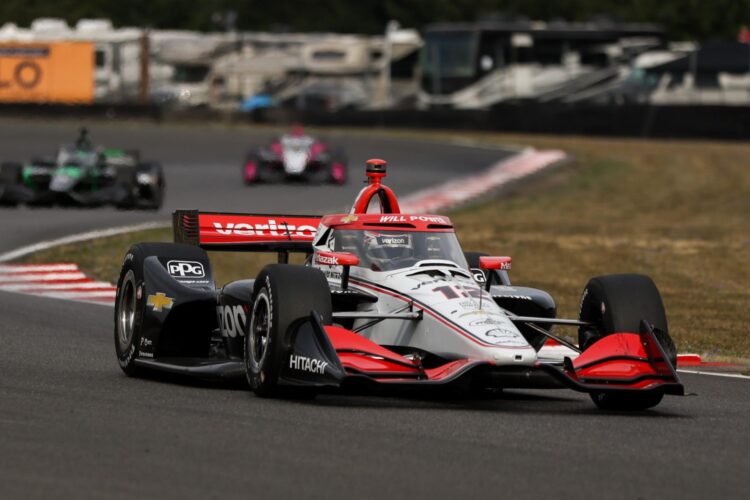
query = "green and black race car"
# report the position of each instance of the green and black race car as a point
(83, 175)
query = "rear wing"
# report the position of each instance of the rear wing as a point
(245, 232)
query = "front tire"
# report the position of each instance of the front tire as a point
(617, 304)
(283, 295)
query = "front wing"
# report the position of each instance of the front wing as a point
(338, 357)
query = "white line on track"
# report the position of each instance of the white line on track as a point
(25, 278)
(90, 235)
(715, 374)
(25, 268)
(24, 287)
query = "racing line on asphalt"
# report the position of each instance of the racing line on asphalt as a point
(72, 425)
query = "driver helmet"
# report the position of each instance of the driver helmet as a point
(83, 141)
(297, 130)
(381, 248)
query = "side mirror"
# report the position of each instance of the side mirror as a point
(344, 259)
(494, 264)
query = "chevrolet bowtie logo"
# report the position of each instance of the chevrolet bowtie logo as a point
(349, 218)
(159, 302)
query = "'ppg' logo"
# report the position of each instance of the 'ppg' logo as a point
(186, 269)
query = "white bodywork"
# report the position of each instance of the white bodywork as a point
(295, 153)
(455, 324)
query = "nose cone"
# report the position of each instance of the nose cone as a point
(522, 357)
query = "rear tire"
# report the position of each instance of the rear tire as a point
(339, 162)
(129, 311)
(11, 174)
(283, 295)
(251, 169)
(617, 304)
(130, 301)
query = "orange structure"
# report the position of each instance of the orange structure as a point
(47, 72)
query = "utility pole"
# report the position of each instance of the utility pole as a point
(384, 84)
(145, 60)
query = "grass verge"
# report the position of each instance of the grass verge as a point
(678, 211)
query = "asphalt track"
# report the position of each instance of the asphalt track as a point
(203, 170)
(73, 426)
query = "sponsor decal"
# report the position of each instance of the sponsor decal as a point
(505, 336)
(326, 260)
(232, 320)
(349, 218)
(333, 275)
(489, 321)
(440, 279)
(271, 228)
(394, 241)
(414, 218)
(305, 364)
(519, 297)
(139, 292)
(159, 302)
(146, 342)
(186, 269)
(478, 275)
(146, 354)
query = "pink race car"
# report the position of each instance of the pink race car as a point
(295, 156)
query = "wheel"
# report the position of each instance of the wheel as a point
(283, 294)
(339, 174)
(130, 301)
(251, 169)
(498, 278)
(126, 179)
(10, 175)
(152, 195)
(616, 304)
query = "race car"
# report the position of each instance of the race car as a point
(295, 156)
(384, 300)
(83, 175)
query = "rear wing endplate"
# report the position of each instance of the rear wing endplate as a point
(245, 232)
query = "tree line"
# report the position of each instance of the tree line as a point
(682, 19)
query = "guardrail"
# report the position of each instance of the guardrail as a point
(710, 122)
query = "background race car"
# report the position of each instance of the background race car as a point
(295, 156)
(83, 175)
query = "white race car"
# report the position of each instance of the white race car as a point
(384, 300)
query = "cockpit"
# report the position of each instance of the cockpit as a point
(388, 250)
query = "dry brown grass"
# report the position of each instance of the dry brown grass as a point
(678, 211)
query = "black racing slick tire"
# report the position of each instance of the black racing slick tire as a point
(615, 304)
(129, 305)
(10, 176)
(126, 180)
(130, 300)
(283, 295)
(151, 197)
